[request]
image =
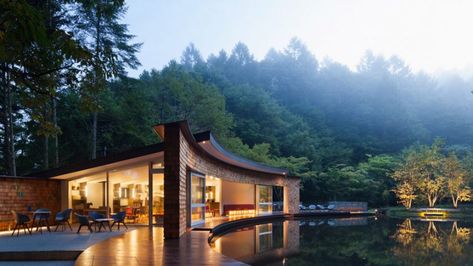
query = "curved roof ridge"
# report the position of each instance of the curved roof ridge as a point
(207, 143)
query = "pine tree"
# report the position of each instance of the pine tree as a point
(109, 41)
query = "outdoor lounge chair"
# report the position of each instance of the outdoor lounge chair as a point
(62, 218)
(21, 221)
(118, 219)
(83, 221)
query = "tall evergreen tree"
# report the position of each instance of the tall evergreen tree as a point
(110, 42)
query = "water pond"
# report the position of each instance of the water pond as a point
(351, 241)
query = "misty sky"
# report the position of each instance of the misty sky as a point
(429, 35)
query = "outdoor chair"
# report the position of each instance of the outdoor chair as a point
(118, 219)
(62, 218)
(94, 216)
(83, 221)
(21, 221)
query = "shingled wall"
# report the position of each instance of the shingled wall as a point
(25, 195)
(180, 157)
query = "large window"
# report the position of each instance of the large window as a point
(129, 192)
(88, 194)
(125, 189)
(197, 191)
(264, 199)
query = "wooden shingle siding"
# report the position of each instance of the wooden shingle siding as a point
(20, 193)
(180, 156)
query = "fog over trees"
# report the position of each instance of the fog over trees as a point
(342, 130)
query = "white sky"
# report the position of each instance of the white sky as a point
(429, 35)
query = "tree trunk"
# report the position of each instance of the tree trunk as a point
(46, 152)
(409, 204)
(97, 77)
(455, 201)
(8, 146)
(430, 201)
(12, 134)
(56, 138)
(94, 135)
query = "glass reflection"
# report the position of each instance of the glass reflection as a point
(432, 242)
(260, 244)
(351, 241)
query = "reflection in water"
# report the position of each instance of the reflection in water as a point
(435, 243)
(261, 244)
(353, 241)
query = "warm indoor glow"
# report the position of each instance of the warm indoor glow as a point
(241, 213)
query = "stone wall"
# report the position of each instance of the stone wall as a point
(181, 157)
(20, 194)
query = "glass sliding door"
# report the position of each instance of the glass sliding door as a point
(158, 199)
(264, 199)
(197, 202)
(278, 199)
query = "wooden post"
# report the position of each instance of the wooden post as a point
(150, 194)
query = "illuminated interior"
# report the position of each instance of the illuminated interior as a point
(127, 190)
(213, 197)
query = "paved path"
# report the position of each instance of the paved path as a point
(146, 246)
(54, 241)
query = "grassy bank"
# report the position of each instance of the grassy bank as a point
(465, 212)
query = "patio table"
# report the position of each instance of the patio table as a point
(38, 216)
(104, 221)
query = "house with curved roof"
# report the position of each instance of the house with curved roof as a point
(179, 183)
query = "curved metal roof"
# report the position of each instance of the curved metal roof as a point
(207, 143)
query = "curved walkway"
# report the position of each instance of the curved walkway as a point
(146, 246)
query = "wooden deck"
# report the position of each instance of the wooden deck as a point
(146, 246)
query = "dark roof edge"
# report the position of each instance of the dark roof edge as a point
(21, 177)
(86, 164)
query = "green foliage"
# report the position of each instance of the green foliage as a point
(428, 174)
(342, 131)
